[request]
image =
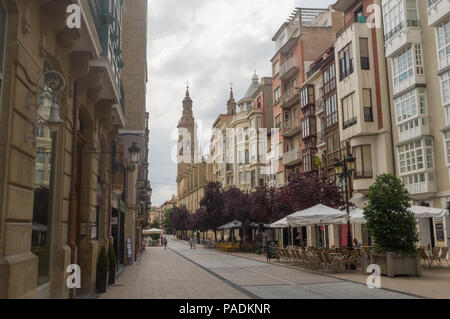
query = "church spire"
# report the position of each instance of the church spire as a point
(187, 103)
(231, 104)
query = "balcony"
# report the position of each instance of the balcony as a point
(290, 132)
(289, 68)
(368, 114)
(402, 35)
(438, 11)
(292, 157)
(365, 65)
(421, 188)
(418, 128)
(289, 99)
(350, 122)
(363, 174)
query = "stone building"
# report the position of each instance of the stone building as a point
(55, 180)
(193, 172)
(417, 45)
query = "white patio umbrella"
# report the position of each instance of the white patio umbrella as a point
(230, 225)
(428, 212)
(282, 223)
(316, 215)
(153, 231)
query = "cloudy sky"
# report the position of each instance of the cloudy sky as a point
(208, 44)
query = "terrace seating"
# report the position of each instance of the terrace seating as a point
(424, 257)
(443, 255)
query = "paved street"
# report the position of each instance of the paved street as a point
(181, 272)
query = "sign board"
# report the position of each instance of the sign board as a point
(440, 231)
(94, 232)
(270, 249)
(129, 250)
(114, 220)
(83, 229)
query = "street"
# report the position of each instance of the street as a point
(181, 272)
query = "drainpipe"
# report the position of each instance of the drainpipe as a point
(390, 116)
(72, 212)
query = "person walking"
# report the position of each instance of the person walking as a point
(194, 242)
(191, 241)
(165, 243)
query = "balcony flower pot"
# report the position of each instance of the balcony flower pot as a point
(397, 264)
(102, 271)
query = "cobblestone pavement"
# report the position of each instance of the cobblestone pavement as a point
(163, 274)
(264, 280)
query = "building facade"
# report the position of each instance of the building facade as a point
(298, 42)
(56, 180)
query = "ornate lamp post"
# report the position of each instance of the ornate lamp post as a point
(345, 170)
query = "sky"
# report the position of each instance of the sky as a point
(208, 44)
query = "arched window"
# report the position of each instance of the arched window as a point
(2, 40)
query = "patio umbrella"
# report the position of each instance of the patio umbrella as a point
(282, 223)
(319, 214)
(428, 212)
(233, 224)
(153, 231)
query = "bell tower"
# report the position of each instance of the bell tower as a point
(186, 137)
(231, 104)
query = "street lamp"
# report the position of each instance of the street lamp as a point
(344, 171)
(135, 153)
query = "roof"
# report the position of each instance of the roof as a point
(251, 89)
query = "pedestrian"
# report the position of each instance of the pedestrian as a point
(356, 243)
(165, 243)
(191, 242)
(194, 242)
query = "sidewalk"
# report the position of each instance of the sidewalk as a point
(434, 282)
(163, 274)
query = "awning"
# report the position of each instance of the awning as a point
(256, 225)
(153, 231)
(428, 212)
(231, 225)
(319, 214)
(282, 223)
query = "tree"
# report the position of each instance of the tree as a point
(166, 221)
(237, 206)
(179, 218)
(308, 189)
(389, 221)
(214, 204)
(266, 206)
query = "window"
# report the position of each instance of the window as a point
(363, 156)
(276, 68)
(406, 105)
(278, 122)
(404, 63)
(393, 18)
(411, 13)
(445, 88)
(286, 120)
(367, 104)
(248, 177)
(364, 52)
(306, 96)
(331, 114)
(307, 160)
(329, 79)
(295, 117)
(345, 62)
(447, 146)
(308, 127)
(2, 39)
(447, 113)
(348, 111)
(276, 95)
(416, 156)
(253, 178)
(443, 44)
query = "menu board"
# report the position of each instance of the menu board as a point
(440, 231)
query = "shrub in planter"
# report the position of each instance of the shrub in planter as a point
(102, 271)
(112, 264)
(392, 225)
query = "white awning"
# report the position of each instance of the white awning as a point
(153, 231)
(282, 223)
(319, 214)
(428, 212)
(231, 225)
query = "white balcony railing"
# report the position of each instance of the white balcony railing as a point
(292, 157)
(289, 68)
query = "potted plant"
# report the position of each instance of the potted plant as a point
(102, 271)
(392, 226)
(112, 265)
